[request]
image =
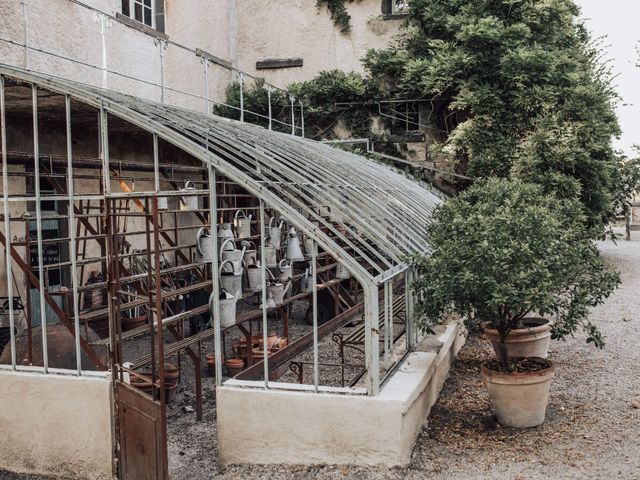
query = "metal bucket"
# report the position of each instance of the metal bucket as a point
(204, 246)
(227, 308)
(189, 202)
(243, 224)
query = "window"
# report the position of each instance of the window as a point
(142, 11)
(395, 7)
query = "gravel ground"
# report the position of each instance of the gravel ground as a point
(593, 419)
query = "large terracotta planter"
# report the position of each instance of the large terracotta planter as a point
(234, 366)
(531, 341)
(519, 399)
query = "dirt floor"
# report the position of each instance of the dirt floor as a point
(592, 429)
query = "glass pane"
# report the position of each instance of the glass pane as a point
(147, 17)
(147, 3)
(138, 8)
(125, 8)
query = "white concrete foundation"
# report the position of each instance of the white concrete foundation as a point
(56, 424)
(278, 426)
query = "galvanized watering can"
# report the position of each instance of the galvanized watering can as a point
(243, 224)
(163, 203)
(306, 282)
(270, 255)
(254, 277)
(294, 252)
(224, 232)
(286, 270)
(204, 246)
(250, 254)
(229, 253)
(188, 202)
(275, 232)
(231, 281)
(278, 290)
(309, 246)
(227, 308)
(341, 272)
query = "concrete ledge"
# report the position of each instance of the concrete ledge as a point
(291, 427)
(56, 424)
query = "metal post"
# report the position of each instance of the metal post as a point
(205, 62)
(36, 160)
(302, 117)
(314, 305)
(371, 337)
(391, 334)
(72, 235)
(386, 324)
(269, 97)
(411, 333)
(25, 18)
(7, 223)
(265, 345)
(156, 164)
(213, 215)
(293, 115)
(242, 98)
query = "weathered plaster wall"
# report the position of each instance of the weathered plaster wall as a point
(57, 425)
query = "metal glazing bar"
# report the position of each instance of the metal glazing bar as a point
(214, 303)
(386, 325)
(408, 295)
(263, 271)
(389, 333)
(205, 62)
(72, 235)
(371, 337)
(314, 306)
(41, 278)
(293, 116)
(302, 118)
(7, 223)
(269, 99)
(156, 164)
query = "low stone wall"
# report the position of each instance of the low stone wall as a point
(289, 427)
(56, 424)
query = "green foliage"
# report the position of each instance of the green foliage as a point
(508, 78)
(339, 14)
(503, 250)
(628, 181)
(256, 101)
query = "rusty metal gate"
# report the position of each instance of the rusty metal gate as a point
(142, 441)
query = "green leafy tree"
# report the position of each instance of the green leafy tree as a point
(516, 88)
(504, 250)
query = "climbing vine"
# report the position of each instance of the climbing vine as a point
(339, 14)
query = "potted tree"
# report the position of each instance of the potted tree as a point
(505, 255)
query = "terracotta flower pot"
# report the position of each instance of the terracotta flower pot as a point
(531, 341)
(234, 366)
(519, 398)
(144, 384)
(170, 393)
(171, 374)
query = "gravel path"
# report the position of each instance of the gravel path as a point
(593, 419)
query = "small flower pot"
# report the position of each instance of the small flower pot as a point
(133, 322)
(519, 398)
(143, 384)
(531, 341)
(234, 366)
(171, 374)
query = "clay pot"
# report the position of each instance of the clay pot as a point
(234, 366)
(171, 374)
(531, 341)
(519, 398)
(170, 392)
(134, 322)
(211, 364)
(272, 339)
(144, 384)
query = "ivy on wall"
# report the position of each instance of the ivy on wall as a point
(339, 14)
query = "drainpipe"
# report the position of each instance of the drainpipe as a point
(162, 44)
(104, 23)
